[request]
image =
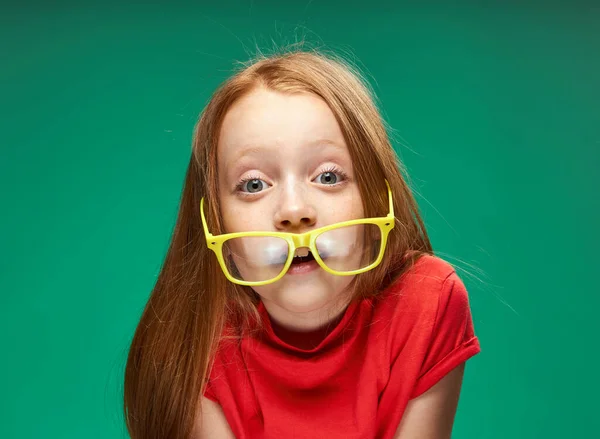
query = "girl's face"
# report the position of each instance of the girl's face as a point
(283, 165)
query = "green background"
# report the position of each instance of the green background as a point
(495, 111)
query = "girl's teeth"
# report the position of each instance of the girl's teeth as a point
(303, 252)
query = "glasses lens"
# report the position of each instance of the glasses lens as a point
(350, 248)
(255, 258)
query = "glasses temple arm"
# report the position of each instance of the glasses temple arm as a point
(204, 224)
(391, 210)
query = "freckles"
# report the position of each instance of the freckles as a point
(351, 208)
(356, 204)
(229, 217)
(241, 220)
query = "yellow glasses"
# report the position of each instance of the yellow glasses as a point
(343, 249)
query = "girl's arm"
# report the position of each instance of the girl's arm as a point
(210, 423)
(431, 415)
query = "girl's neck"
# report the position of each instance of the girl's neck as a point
(304, 330)
(307, 339)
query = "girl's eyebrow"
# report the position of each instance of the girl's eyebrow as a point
(324, 142)
(250, 149)
(264, 151)
(258, 149)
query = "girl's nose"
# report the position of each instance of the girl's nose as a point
(295, 212)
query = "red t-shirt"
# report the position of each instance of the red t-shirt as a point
(357, 382)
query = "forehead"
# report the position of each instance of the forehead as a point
(270, 119)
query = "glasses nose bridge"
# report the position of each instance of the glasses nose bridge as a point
(301, 240)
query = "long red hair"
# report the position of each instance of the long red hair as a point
(173, 346)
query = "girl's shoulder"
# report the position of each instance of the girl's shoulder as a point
(426, 309)
(428, 271)
(430, 283)
(429, 264)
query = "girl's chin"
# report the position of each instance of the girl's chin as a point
(305, 293)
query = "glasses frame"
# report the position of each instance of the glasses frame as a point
(300, 240)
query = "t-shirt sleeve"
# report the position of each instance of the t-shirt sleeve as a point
(452, 340)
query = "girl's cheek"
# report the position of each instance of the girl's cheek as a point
(249, 219)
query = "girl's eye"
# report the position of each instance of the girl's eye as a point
(329, 177)
(253, 186)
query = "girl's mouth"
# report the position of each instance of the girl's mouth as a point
(303, 264)
(305, 258)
